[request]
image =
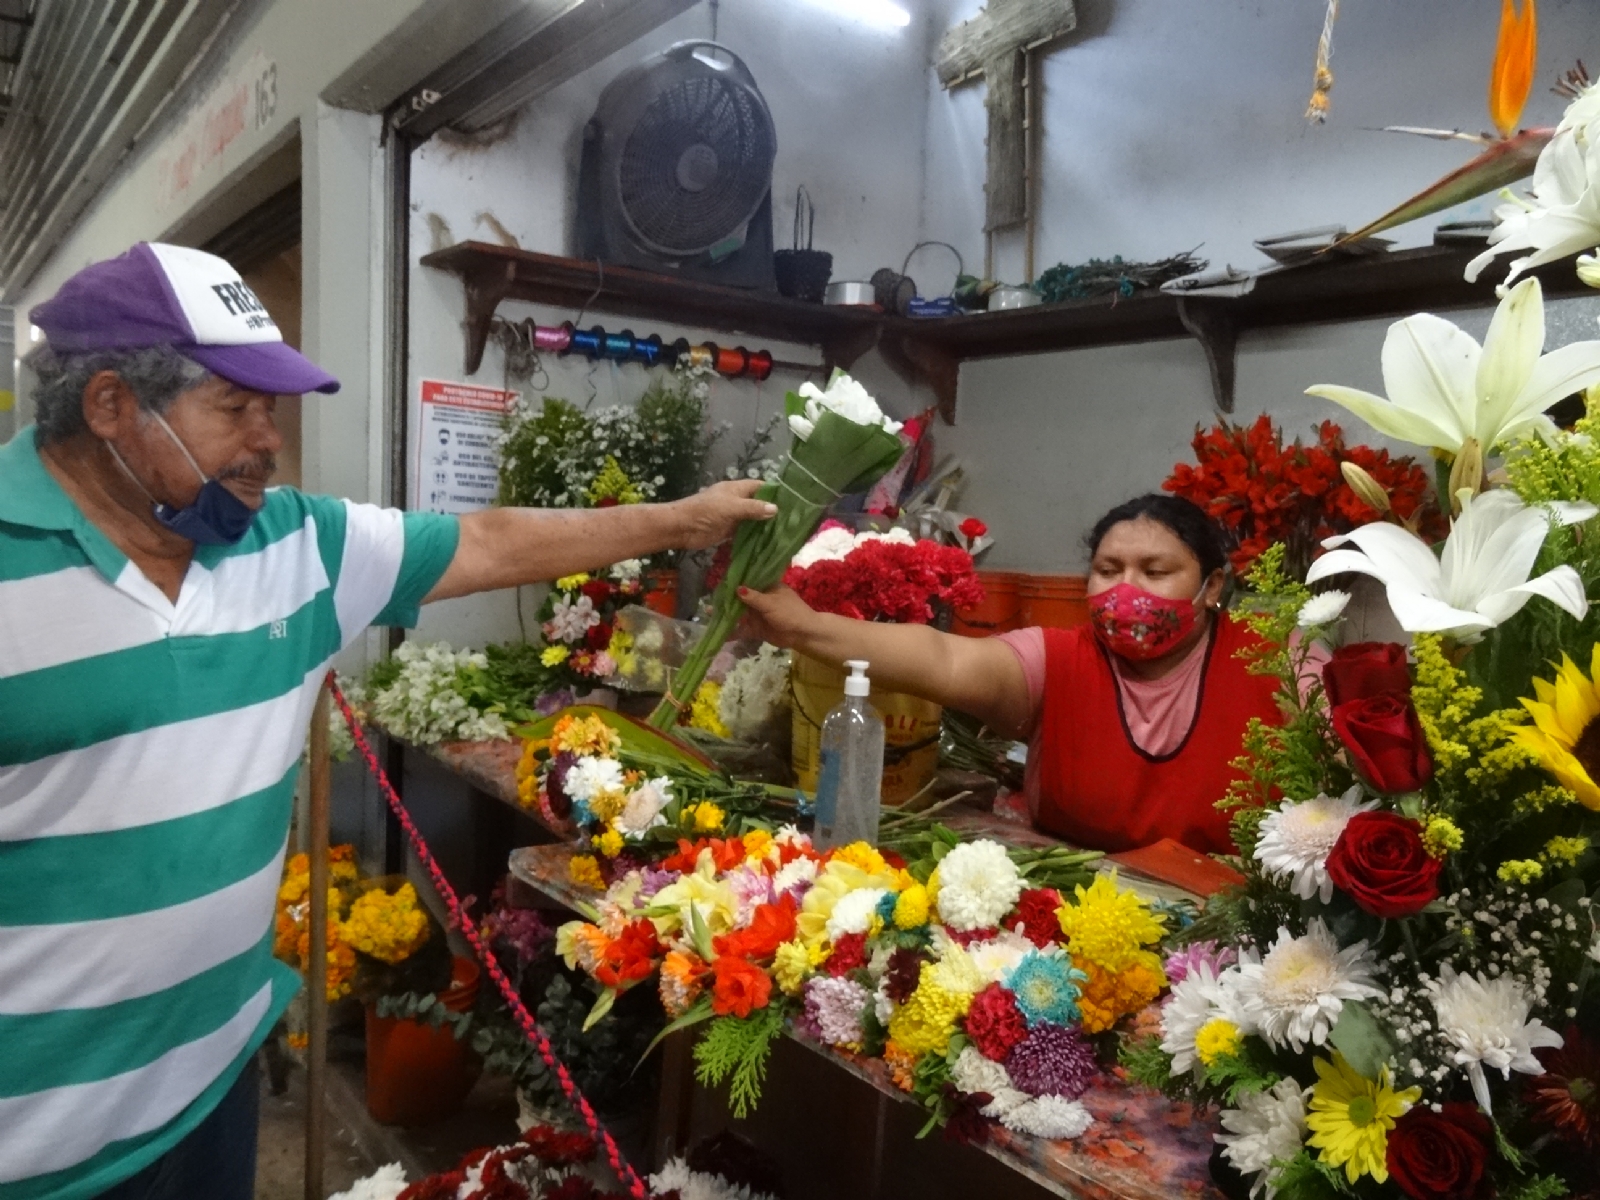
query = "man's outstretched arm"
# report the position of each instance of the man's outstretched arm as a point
(505, 547)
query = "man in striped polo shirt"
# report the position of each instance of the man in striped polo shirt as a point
(165, 620)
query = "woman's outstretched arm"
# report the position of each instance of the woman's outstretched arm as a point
(980, 676)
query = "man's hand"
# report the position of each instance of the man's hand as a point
(778, 616)
(710, 517)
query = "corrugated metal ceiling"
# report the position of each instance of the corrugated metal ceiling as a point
(92, 77)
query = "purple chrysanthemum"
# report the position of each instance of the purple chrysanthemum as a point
(835, 1006)
(652, 881)
(1053, 1060)
(1180, 962)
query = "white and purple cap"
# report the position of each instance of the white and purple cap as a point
(161, 295)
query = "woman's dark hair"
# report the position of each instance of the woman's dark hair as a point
(1187, 521)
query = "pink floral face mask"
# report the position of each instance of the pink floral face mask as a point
(1140, 625)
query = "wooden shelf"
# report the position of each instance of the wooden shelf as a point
(1342, 289)
(494, 273)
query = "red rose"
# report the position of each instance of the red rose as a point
(1385, 741)
(994, 1022)
(1439, 1156)
(1364, 670)
(740, 987)
(1379, 863)
(1036, 916)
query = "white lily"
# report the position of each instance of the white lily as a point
(1445, 389)
(1480, 580)
(1561, 215)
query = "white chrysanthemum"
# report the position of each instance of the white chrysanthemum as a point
(995, 957)
(1296, 839)
(854, 912)
(697, 1185)
(1322, 609)
(1268, 1127)
(1297, 991)
(973, 1073)
(590, 776)
(826, 545)
(755, 693)
(627, 569)
(570, 620)
(802, 872)
(843, 396)
(882, 1006)
(383, 1184)
(978, 885)
(643, 809)
(1051, 1117)
(790, 835)
(1487, 1021)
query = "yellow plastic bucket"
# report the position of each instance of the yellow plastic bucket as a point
(910, 730)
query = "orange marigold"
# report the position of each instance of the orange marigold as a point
(1107, 997)
(902, 1065)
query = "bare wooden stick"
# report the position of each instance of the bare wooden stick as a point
(317, 972)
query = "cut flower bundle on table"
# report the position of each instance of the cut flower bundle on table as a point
(975, 979)
(1400, 999)
(883, 576)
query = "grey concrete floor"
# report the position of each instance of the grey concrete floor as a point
(357, 1145)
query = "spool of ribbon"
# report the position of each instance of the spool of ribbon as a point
(595, 343)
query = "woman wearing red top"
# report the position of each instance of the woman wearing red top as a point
(1133, 719)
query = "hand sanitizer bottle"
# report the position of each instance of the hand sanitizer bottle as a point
(850, 782)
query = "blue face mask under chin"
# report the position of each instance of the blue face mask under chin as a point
(215, 517)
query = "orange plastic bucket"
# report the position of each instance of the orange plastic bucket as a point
(662, 597)
(1054, 601)
(1000, 609)
(417, 1074)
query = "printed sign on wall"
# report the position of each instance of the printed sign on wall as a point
(458, 460)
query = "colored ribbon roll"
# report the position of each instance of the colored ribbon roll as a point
(595, 343)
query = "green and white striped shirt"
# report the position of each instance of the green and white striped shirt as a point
(148, 753)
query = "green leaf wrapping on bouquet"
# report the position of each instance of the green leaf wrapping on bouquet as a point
(639, 741)
(840, 457)
(738, 1048)
(1358, 1036)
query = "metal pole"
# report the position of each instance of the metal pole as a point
(317, 972)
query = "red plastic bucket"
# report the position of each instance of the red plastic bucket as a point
(417, 1074)
(1000, 610)
(662, 597)
(1054, 601)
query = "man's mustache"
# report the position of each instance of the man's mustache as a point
(259, 471)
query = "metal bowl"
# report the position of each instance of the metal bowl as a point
(851, 292)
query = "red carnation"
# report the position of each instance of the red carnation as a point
(1439, 1155)
(994, 1022)
(558, 1148)
(598, 591)
(1036, 917)
(630, 957)
(849, 952)
(972, 528)
(1380, 863)
(770, 926)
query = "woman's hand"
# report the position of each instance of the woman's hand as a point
(778, 616)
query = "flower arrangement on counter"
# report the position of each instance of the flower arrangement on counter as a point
(975, 972)
(1400, 999)
(578, 619)
(889, 576)
(560, 456)
(1262, 492)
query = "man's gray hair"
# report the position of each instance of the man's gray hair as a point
(155, 374)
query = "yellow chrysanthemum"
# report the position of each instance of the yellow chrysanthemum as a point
(584, 871)
(793, 964)
(554, 656)
(925, 1022)
(1218, 1038)
(609, 843)
(1350, 1117)
(863, 855)
(911, 908)
(955, 972)
(607, 804)
(1564, 736)
(585, 735)
(708, 818)
(388, 927)
(705, 712)
(756, 844)
(571, 583)
(1109, 926)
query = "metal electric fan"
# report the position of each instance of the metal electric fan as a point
(677, 170)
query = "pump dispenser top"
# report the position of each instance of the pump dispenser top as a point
(857, 683)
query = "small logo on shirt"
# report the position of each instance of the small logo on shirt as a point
(278, 629)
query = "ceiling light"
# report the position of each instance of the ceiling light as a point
(884, 13)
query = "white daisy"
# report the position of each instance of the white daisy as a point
(1487, 1021)
(1323, 609)
(1297, 838)
(590, 776)
(1298, 990)
(854, 912)
(1268, 1127)
(972, 1073)
(1051, 1117)
(978, 886)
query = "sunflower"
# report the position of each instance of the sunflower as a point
(1565, 735)
(1350, 1117)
